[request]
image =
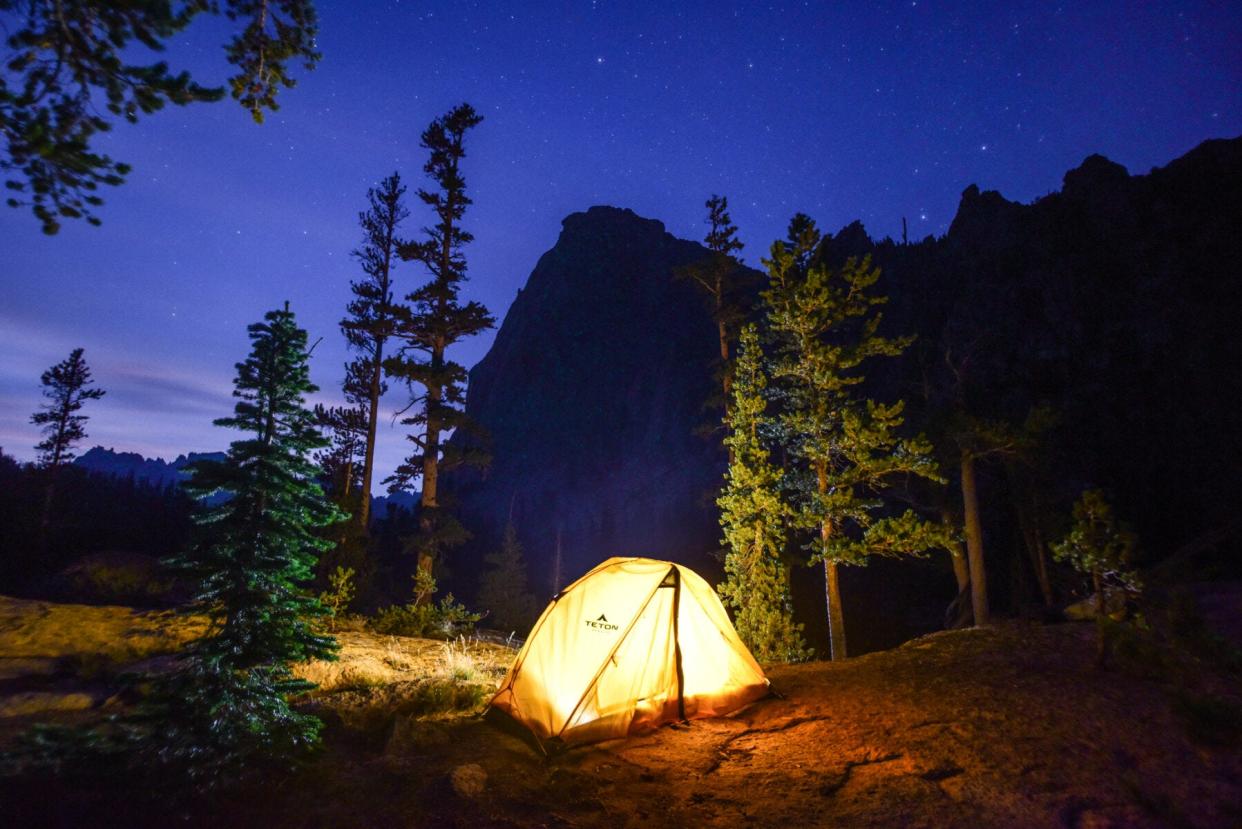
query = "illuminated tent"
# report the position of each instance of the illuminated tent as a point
(631, 645)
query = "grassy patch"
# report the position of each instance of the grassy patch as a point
(459, 662)
(443, 696)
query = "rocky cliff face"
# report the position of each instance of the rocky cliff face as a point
(1114, 301)
(592, 393)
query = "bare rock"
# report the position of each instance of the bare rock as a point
(468, 780)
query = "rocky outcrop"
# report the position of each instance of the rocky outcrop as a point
(592, 393)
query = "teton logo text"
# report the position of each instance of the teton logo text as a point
(601, 623)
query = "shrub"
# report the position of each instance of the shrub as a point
(1101, 548)
(339, 594)
(118, 578)
(442, 620)
(422, 617)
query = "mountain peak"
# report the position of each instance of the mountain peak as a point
(603, 217)
(1095, 174)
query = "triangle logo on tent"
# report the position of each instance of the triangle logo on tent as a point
(601, 623)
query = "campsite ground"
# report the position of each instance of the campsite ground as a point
(1008, 726)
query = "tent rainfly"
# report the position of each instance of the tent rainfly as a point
(631, 645)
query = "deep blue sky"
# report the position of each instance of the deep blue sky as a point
(842, 110)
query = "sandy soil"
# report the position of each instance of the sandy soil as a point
(1010, 726)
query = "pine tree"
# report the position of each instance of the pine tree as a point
(977, 439)
(1099, 547)
(373, 312)
(435, 321)
(724, 281)
(846, 448)
(755, 519)
(503, 590)
(69, 77)
(252, 556)
(66, 386)
(276, 33)
(340, 468)
(966, 440)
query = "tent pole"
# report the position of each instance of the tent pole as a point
(681, 677)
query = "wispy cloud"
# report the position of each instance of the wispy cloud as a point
(154, 406)
(151, 406)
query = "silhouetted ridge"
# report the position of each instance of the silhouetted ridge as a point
(592, 393)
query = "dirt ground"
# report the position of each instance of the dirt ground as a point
(1008, 726)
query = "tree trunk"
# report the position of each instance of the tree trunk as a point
(377, 376)
(45, 522)
(1027, 507)
(431, 453)
(53, 468)
(726, 376)
(1101, 612)
(974, 541)
(957, 556)
(431, 467)
(836, 618)
(1034, 541)
(832, 584)
(368, 458)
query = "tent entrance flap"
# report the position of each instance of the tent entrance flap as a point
(633, 644)
(611, 656)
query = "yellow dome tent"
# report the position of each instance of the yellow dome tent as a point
(631, 645)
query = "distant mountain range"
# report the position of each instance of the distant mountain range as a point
(159, 472)
(155, 471)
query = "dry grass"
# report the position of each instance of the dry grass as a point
(51, 651)
(461, 662)
(370, 660)
(46, 630)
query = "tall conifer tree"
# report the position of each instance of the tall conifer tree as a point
(253, 554)
(66, 386)
(373, 312)
(755, 518)
(825, 326)
(436, 319)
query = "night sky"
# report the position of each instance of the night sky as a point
(855, 110)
